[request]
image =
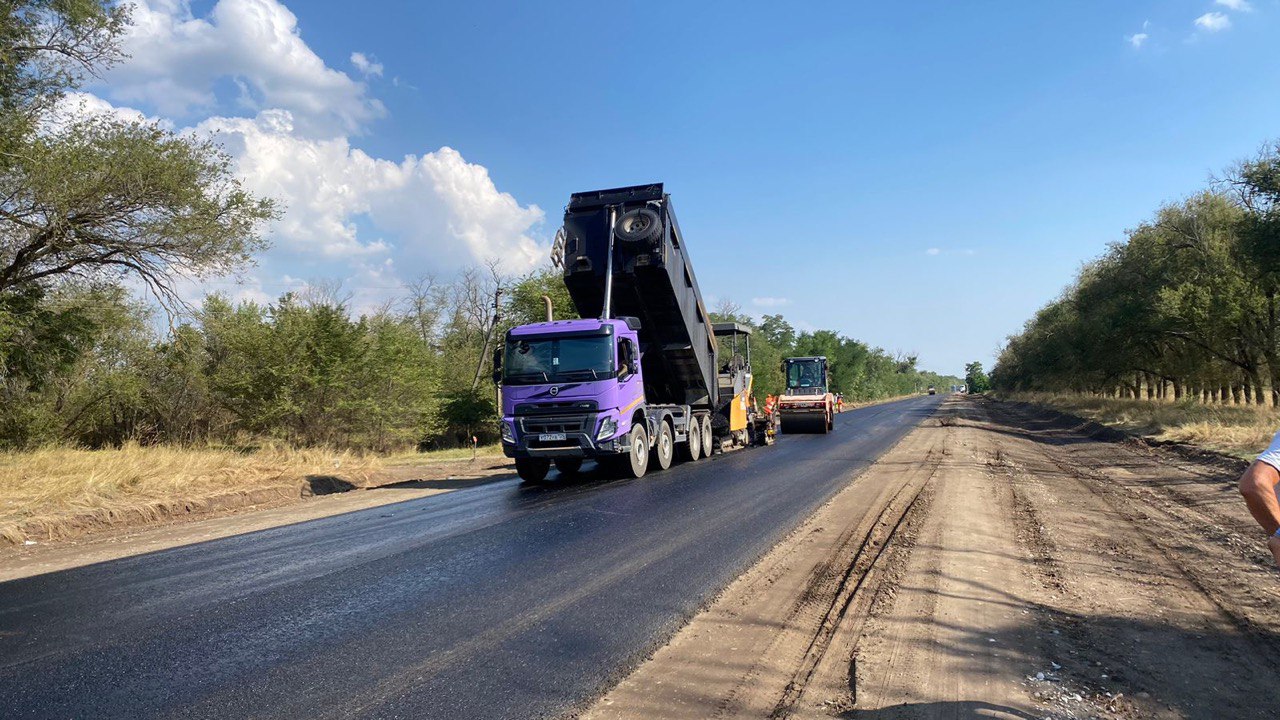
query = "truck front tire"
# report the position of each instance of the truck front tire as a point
(533, 470)
(708, 437)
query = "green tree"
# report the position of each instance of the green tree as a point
(46, 48)
(100, 196)
(777, 332)
(524, 303)
(975, 378)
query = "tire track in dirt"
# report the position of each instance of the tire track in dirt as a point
(855, 580)
(833, 586)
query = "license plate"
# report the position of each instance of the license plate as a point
(551, 437)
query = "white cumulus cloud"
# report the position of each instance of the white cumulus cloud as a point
(933, 251)
(1137, 39)
(177, 61)
(428, 211)
(366, 65)
(1213, 21)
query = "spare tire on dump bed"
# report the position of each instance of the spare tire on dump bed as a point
(640, 225)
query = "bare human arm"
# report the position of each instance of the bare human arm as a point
(1258, 486)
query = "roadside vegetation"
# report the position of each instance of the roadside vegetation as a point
(305, 371)
(1236, 430)
(1186, 309)
(56, 488)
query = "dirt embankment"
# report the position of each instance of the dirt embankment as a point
(999, 562)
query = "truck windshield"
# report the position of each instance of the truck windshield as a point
(804, 375)
(558, 359)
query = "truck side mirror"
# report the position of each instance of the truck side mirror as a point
(497, 366)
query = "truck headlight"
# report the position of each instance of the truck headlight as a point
(508, 433)
(607, 428)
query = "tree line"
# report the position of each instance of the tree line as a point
(1188, 306)
(89, 364)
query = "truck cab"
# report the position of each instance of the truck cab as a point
(570, 389)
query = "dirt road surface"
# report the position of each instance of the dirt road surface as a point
(998, 562)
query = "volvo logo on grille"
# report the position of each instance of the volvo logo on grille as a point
(555, 390)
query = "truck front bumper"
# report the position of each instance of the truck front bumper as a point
(582, 443)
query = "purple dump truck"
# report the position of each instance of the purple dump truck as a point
(637, 381)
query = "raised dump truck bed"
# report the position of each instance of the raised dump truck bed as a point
(640, 375)
(652, 280)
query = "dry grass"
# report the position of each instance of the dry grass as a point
(56, 485)
(1242, 431)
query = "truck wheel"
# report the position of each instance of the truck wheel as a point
(708, 438)
(640, 225)
(693, 444)
(568, 466)
(532, 470)
(665, 448)
(639, 451)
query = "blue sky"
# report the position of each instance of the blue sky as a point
(921, 177)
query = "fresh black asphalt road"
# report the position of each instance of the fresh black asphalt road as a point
(496, 601)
